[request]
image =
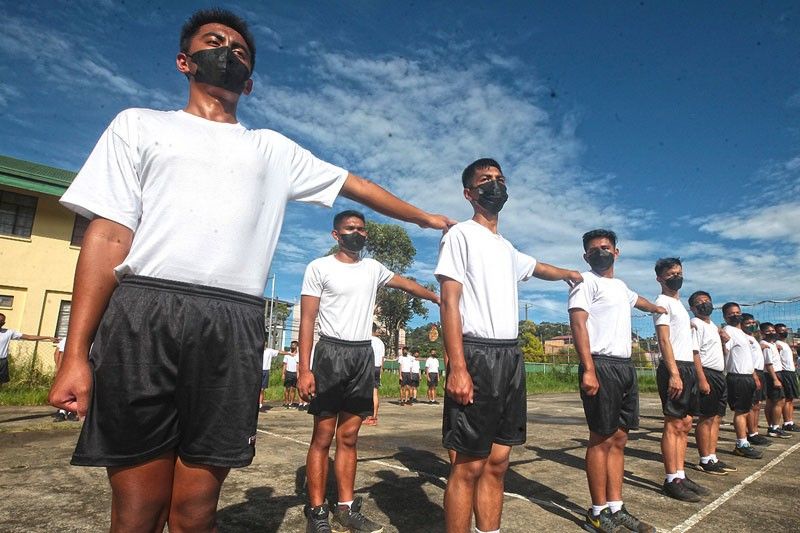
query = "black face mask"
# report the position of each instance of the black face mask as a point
(600, 260)
(783, 335)
(675, 283)
(353, 241)
(771, 337)
(221, 68)
(492, 196)
(734, 320)
(704, 309)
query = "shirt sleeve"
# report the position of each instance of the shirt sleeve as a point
(632, 298)
(384, 275)
(580, 296)
(312, 281)
(15, 335)
(108, 185)
(524, 265)
(452, 256)
(312, 179)
(663, 319)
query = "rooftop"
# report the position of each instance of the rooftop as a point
(33, 176)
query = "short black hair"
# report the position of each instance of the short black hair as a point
(337, 220)
(764, 325)
(665, 263)
(780, 325)
(2, 315)
(697, 294)
(480, 164)
(599, 234)
(219, 16)
(728, 305)
(747, 316)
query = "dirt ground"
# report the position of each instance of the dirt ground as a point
(401, 474)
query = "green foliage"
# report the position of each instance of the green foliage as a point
(417, 338)
(531, 346)
(548, 330)
(29, 384)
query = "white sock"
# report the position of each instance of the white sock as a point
(752, 434)
(615, 506)
(775, 427)
(681, 474)
(707, 459)
(714, 458)
(63, 412)
(671, 477)
(493, 531)
(348, 504)
(789, 423)
(596, 509)
(742, 443)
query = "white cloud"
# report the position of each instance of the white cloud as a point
(7, 93)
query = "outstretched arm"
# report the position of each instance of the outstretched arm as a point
(413, 288)
(553, 273)
(27, 337)
(643, 304)
(379, 199)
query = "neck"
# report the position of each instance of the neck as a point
(347, 256)
(669, 292)
(210, 106)
(486, 220)
(609, 273)
(706, 319)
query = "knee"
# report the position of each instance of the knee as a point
(467, 472)
(347, 438)
(188, 516)
(496, 468)
(321, 441)
(620, 439)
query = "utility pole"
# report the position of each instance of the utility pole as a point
(271, 308)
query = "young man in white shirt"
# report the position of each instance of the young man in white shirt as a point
(788, 377)
(58, 355)
(291, 361)
(774, 386)
(160, 188)
(415, 376)
(600, 320)
(379, 350)
(266, 365)
(6, 336)
(485, 406)
(405, 361)
(741, 379)
(750, 327)
(676, 376)
(339, 290)
(432, 375)
(713, 390)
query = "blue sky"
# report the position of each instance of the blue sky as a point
(675, 124)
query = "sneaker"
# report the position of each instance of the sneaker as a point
(679, 491)
(747, 451)
(726, 467)
(694, 487)
(59, 417)
(758, 440)
(627, 520)
(72, 417)
(602, 523)
(712, 468)
(350, 519)
(791, 428)
(317, 519)
(778, 433)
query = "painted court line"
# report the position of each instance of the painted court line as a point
(536, 501)
(690, 522)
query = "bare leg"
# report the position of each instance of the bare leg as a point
(195, 494)
(670, 440)
(616, 465)
(346, 454)
(597, 466)
(141, 494)
(788, 411)
(683, 441)
(488, 496)
(752, 426)
(317, 459)
(703, 435)
(375, 403)
(740, 424)
(458, 496)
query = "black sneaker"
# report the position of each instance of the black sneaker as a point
(72, 417)
(778, 433)
(350, 520)
(676, 489)
(726, 467)
(317, 518)
(602, 523)
(791, 428)
(628, 521)
(59, 417)
(712, 468)
(694, 487)
(758, 440)
(747, 451)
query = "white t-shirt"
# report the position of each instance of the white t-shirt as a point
(62, 344)
(739, 357)
(488, 268)
(771, 355)
(680, 329)
(415, 366)
(609, 303)
(379, 349)
(291, 361)
(706, 338)
(432, 365)
(346, 293)
(6, 336)
(269, 355)
(756, 353)
(405, 363)
(787, 360)
(205, 199)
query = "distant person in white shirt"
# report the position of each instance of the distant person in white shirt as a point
(379, 350)
(266, 364)
(405, 361)
(415, 375)
(289, 376)
(432, 375)
(58, 355)
(676, 378)
(484, 412)
(600, 320)
(8, 335)
(773, 367)
(339, 291)
(788, 377)
(750, 328)
(713, 388)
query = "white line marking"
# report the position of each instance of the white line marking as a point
(536, 501)
(690, 522)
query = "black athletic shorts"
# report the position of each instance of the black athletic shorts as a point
(344, 373)
(4, 378)
(686, 403)
(414, 379)
(175, 367)
(616, 404)
(264, 379)
(772, 392)
(789, 380)
(433, 380)
(290, 380)
(405, 379)
(498, 412)
(741, 392)
(760, 394)
(377, 377)
(715, 402)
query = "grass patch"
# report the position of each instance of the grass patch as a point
(29, 385)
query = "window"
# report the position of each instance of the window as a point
(6, 301)
(16, 214)
(63, 319)
(81, 223)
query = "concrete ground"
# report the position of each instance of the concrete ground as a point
(401, 475)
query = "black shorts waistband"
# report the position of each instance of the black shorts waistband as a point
(759, 372)
(685, 364)
(735, 375)
(712, 371)
(342, 342)
(192, 289)
(480, 341)
(612, 359)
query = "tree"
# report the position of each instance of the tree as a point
(530, 344)
(417, 339)
(280, 312)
